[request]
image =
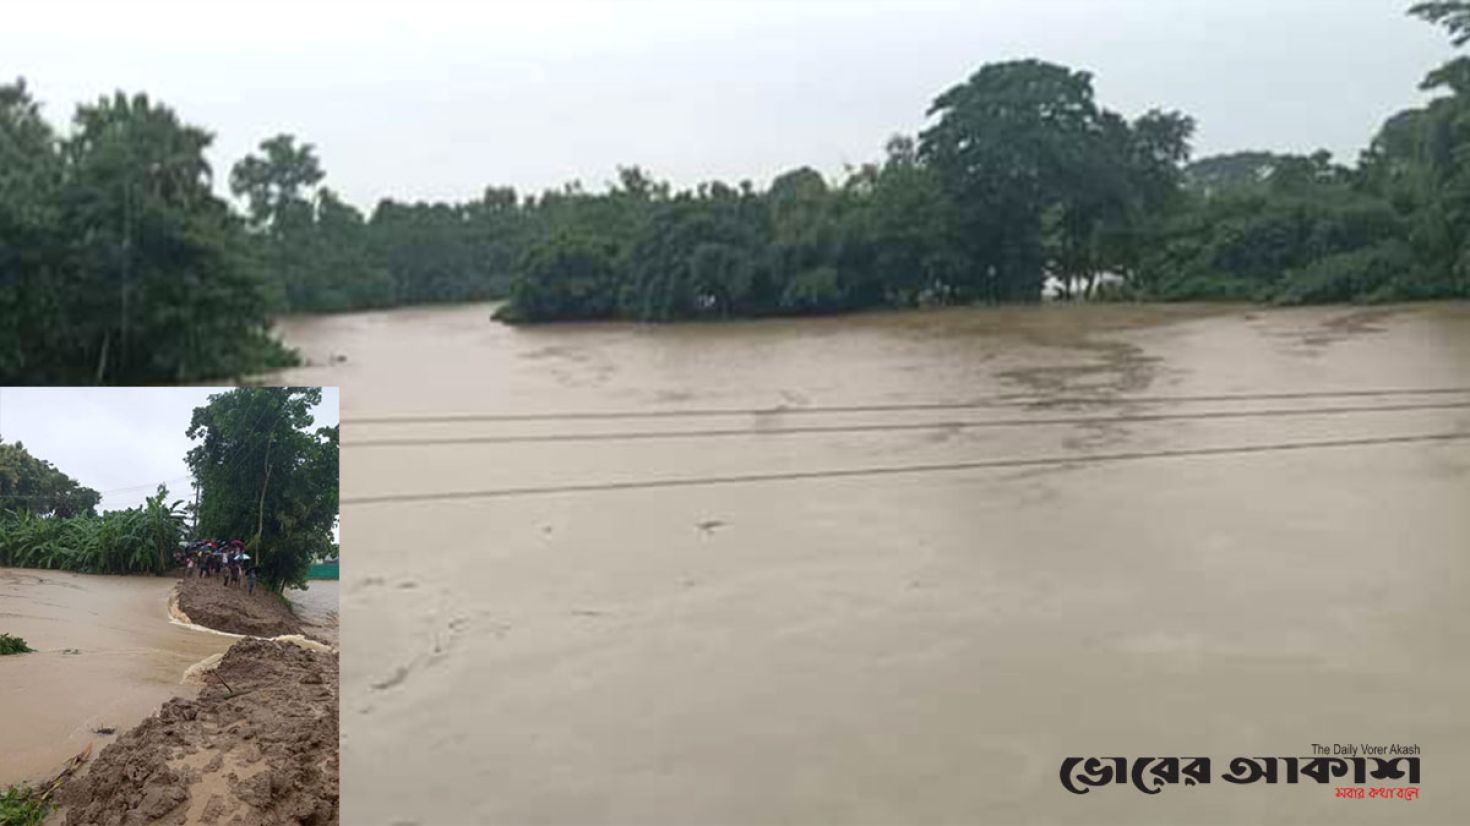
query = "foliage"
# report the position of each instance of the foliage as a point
(28, 483)
(139, 540)
(117, 262)
(320, 254)
(1021, 175)
(1295, 229)
(1254, 245)
(13, 645)
(266, 477)
(22, 806)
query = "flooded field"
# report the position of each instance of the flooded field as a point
(896, 568)
(106, 657)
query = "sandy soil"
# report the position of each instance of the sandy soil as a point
(263, 750)
(261, 614)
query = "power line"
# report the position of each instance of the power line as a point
(867, 428)
(100, 492)
(989, 464)
(1002, 400)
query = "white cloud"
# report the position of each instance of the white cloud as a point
(121, 441)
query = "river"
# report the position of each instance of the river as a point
(317, 607)
(743, 609)
(106, 656)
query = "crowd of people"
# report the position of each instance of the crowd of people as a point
(217, 558)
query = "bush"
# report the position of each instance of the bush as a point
(20, 806)
(135, 541)
(1362, 274)
(13, 645)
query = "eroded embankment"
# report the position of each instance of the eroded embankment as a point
(205, 602)
(259, 745)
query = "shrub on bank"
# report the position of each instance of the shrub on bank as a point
(22, 806)
(135, 541)
(13, 645)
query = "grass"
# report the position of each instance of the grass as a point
(21, 806)
(12, 645)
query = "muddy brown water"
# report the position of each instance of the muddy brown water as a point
(577, 646)
(107, 656)
(317, 607)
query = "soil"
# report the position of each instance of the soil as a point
(262, 751)
(204, 601)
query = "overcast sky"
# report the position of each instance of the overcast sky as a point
(436, 100)
(120, 441)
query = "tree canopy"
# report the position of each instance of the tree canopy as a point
(266, 477)
(117, 262)
(33, 485)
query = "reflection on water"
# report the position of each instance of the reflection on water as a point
(129, 658)
(834, 644)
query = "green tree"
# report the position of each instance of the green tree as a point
(266, 477)
(117, 263)
(34, 485)
(33, 273)
(1007, 144)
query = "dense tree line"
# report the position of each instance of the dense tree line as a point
(1022, 176)
(119, 264)
(267, 477)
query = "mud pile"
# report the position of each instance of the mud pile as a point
(204, 601)
(263, 750)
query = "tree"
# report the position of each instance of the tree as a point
(35, 486)
(1007, 144)
(117, 263)
(1454, 15)
(567, 276)
(33, 275)
(279, 185)
(265, 476)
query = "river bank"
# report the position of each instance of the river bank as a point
(205, 601)
(259, 745)
(259, 742)
(263, 713)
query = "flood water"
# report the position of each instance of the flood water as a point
(744, 609)
(316, 607)
(106, 656)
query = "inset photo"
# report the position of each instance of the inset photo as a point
(168, 605)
